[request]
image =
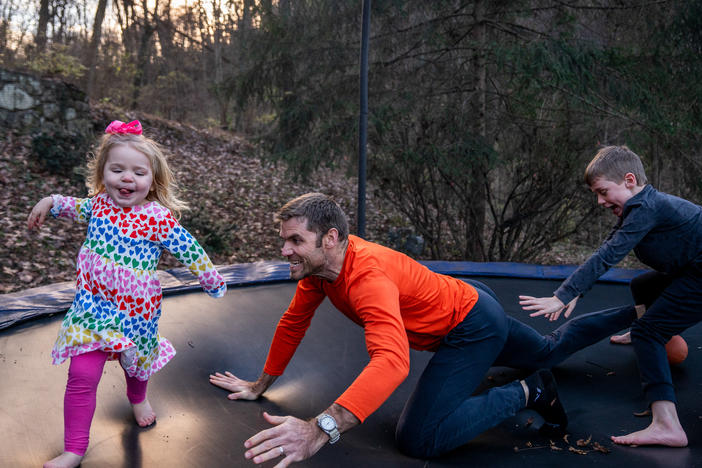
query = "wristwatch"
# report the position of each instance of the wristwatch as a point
(327, 423)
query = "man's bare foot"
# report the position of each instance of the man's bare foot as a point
(665, 429)
(621, 339)
(65, 460)
(143, 413)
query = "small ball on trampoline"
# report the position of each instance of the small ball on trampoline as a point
(676, 349)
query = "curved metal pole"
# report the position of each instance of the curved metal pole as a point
(363, 121)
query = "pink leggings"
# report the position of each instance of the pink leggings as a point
(79, 402)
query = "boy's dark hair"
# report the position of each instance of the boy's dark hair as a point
(613, 163)
(321, 212)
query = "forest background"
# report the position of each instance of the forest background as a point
(482, 116)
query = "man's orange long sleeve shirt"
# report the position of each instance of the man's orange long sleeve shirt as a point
(400, 304)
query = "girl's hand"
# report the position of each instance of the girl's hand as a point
(38, 214)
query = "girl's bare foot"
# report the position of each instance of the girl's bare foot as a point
(143, 413)
(65, 460)
(621, 339)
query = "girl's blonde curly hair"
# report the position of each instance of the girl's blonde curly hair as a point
(163, 188)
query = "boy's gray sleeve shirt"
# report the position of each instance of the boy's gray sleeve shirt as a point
(637, 220)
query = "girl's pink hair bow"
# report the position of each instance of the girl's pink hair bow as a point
(119, 127)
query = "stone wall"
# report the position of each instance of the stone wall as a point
(30, 105)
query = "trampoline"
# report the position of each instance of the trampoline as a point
(198, 426)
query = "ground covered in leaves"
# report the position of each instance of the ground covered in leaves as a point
(231, 192)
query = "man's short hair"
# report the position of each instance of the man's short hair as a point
(613, 163)
(321, 212)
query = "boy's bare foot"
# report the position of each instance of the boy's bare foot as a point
(654, 435)
(665, 429)
(621, 339)
(143, 413)
(65, 460)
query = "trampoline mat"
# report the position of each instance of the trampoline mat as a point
(198, 426)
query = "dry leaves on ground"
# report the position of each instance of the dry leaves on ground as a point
(231, 192)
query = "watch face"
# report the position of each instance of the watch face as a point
(327, 424)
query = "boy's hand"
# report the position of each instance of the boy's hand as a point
(551, 307)
(38, 214)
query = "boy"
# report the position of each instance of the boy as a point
(665, 233)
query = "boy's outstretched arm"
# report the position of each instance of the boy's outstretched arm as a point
(38, 214)
(551, 307)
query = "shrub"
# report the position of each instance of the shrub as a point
(61, 153)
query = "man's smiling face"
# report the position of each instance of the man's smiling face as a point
(302, 249)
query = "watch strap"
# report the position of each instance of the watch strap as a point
(334, 436)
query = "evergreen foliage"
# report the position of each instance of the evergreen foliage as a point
(483, 115)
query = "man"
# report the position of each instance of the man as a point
(402, 304)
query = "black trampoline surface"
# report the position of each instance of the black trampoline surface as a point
(198, 426)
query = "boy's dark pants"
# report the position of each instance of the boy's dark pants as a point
(673, 304)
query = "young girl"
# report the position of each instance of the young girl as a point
(117, 305)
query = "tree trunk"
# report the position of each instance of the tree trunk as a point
(94, 45)
(164, 28)
(143, 51)
(475, 247)
(246, 21)
(220, 93)
(40, 39)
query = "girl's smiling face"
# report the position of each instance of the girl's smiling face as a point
(127, 176)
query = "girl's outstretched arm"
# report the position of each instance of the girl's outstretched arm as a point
(38, 214)
(75, 209)
(184, 247)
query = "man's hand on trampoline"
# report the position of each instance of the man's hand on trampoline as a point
(290, 438)
(551, 307)
(241, 389)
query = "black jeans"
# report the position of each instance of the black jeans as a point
(442, 414)
(673, 304)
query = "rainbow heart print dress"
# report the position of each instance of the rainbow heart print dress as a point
(118, 295)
